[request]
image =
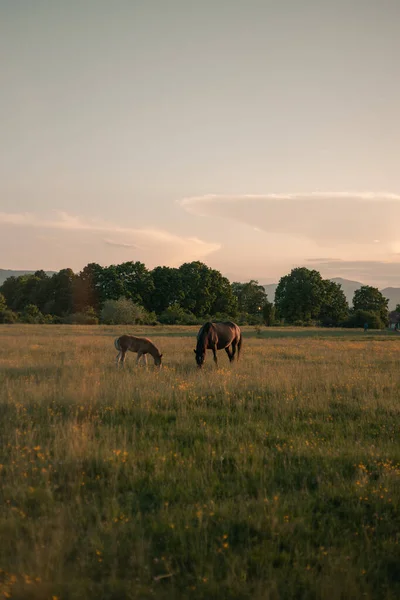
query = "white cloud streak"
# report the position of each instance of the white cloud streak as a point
(177, 248)
(326, 218)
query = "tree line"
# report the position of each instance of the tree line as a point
(131, 293)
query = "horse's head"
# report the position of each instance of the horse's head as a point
(157, 360)
(200, 357)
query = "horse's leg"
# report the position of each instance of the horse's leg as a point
(118, 358)
(233, 346)
(122, 358)
(145, 360)
(139, 356)
(215, 355)
(229, 353)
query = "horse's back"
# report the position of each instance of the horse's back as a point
(227, 326)
(135, 344)
(227, 332)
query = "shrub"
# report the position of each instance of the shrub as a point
(8, 316)
(31, 314)
(87, 316)
(3, 303)
(176, 315)
(81, 318)
(358, 317)
(123, 312)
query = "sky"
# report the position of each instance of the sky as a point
(253, 135)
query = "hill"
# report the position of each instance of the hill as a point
(394, 296)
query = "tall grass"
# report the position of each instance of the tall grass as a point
(275, 478)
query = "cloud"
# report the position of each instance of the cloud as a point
(326, 218)
(120, 244)
(322, 260)
(151, 242)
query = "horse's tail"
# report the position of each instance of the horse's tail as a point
(239, 346)
(117, 344)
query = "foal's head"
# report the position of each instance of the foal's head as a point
(157, 360)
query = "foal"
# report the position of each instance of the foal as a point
(142, 346)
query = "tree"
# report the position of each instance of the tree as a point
(224, 301)
(205, 290)
(3, 303)
(87, 287)
(397, 309)
(300, 295)
(137, 282)
(268, 313)
(167, 289)
(251, 296)
(9, 289)
(61, 293)
(370, 299)
(334, 308)
(26, 289)
(6, 315)
(110, 284)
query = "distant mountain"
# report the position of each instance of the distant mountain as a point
(270, 289)
(5, 273)
(393, 294)
(348, 287)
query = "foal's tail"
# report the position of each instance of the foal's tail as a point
(239, 346)
(117, 345)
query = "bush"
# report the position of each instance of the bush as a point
(8, 316)
(176, 315)
(222, 317)
(81, 318)
(86, 317)
(3, 303)
(31, 314)
(123, 312)
(244, 318)
(358, 317)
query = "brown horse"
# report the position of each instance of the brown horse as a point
(218, 336)
(142, 346)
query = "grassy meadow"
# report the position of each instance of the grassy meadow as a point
(275, 478)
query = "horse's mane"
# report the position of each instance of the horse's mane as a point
(202, 334)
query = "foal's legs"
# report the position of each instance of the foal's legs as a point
(118, 358)
(143, 356)
(122, 356)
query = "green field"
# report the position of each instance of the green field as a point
(275, 478)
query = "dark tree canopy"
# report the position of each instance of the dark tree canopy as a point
(299, 295)
(370, 299)
(167, 290)
(304, 296)
(251, 296)
(205, 290)
(334, 307)
(189, 294)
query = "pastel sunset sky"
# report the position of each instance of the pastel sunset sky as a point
(254, 135)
